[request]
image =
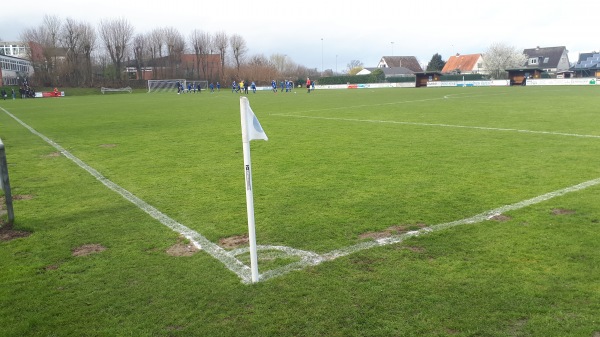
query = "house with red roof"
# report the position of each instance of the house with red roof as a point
(464, 64)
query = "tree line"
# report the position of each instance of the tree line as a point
(75, 53)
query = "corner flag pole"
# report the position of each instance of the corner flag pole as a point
(251, 130)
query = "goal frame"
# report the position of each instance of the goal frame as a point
(105, 90)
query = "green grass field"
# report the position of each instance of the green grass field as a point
(343, 173)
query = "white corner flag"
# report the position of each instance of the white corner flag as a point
(251, 130)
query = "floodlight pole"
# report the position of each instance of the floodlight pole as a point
(322, 69)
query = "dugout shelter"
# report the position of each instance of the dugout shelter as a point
(427, 76)
(519, 76)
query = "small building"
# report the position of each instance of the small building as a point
(519, 76)
(464, 64)
(549, 59)
(426, 76)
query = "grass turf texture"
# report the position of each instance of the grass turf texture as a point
(338, 165)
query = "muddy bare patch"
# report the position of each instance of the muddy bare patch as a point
(562, 211)
(88, 249)
(233, 242)
(390, 231)
(51, 267)
(22, 197)
(53, 155)
(108, 146)
(596, 334)
(7, 233)
(182, 249)
(501, 218)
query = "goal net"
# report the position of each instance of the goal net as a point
(165, 85)
(196, 83)
(105, 90)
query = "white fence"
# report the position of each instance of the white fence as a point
(563, 81)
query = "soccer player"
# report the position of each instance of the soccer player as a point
(308, 84)
(253, 85)
(274, 85)
(212, 87)
(218, 86)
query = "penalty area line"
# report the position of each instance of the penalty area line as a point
(485, 128)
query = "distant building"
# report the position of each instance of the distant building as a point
(409, 62)
(13, 70)
(15, 49)
(464, 64)
(588, 65)
(549, 59)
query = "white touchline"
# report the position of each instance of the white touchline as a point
(196, 238)
(307, 258)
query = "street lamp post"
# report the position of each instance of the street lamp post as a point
(392, 48)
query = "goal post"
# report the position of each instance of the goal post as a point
(165, 85)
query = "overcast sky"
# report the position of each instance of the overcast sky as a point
(330, 33)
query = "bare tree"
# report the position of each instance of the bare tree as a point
(201, 44)
(70, 39)
(239, 48)
(87, 46)
(354, 67)
(278, 60)
(116, 35)
(221, 42)
(175, 43)
(51, 26)
(43, 51)
(155, 46)
(260, 69)
(139, 49)
(500, 57)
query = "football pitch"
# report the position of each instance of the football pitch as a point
(425, 196)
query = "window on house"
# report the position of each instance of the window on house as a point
(546, 59)
(533, 60)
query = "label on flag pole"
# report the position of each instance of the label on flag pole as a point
(248, 178)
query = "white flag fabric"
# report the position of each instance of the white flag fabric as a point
(251, 128)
